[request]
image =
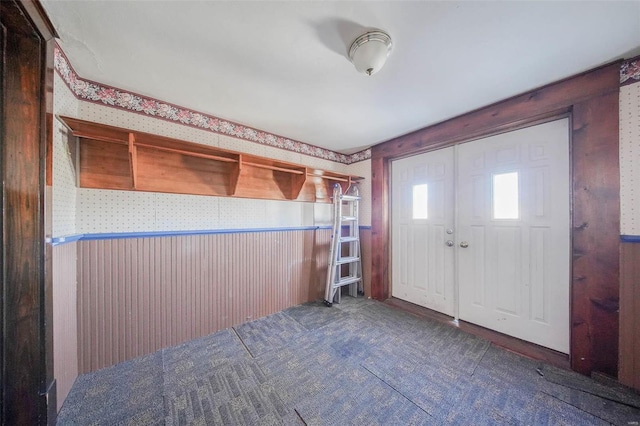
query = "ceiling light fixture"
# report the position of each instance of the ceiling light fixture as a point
(369, 52)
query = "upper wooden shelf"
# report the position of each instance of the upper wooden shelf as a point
(115, 158)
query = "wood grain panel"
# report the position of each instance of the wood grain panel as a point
(26, 385)
(138, 295)
(162, 171)
(629, 371)
(160, 164)
(365, 255)
(104, 165)
(595, 235)
(591, 99)
(380, 229)
(65, 321)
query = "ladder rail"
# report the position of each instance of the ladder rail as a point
(335, 280)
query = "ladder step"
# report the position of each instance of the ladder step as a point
(346, 281)
(345, 260)
(345, 215)
(348, 239)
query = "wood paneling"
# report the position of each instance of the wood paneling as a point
(365, 258)
(25, 352)
(138, 295)
(116, 158)
(629, 372)
(591, 99)
(65, 320)
(595, 235)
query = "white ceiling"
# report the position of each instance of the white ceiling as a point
(282, 66)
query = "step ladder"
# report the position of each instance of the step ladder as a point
(347, 269)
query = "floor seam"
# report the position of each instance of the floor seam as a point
(246, 348)
(572, 405)
(397, 391)
(299, 416)
(475, 367)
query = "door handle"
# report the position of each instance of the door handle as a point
(449, 243)
(464, 244)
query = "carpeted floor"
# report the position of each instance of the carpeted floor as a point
(359, 362)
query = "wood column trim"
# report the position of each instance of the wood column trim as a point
(591, 100)
(26, 378)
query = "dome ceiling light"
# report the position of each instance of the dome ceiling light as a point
(369, 52)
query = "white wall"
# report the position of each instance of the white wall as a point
(630, 159)
(64, 179)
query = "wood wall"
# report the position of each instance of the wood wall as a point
(139, 295)
(629, 372)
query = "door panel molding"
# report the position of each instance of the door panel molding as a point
(515, 246)
(591, 101)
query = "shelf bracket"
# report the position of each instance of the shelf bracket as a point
(133, 157)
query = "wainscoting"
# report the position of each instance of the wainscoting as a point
(65, 320)
(138, 295)
(629, 362)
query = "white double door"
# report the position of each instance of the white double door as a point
(480, 232)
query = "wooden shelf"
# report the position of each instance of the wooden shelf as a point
(116, 158)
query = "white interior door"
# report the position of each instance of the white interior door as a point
(508, 197)
(422, 213)
(514, 244)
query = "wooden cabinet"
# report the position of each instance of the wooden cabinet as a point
(114, 158)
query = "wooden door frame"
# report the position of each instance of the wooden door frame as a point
(28, 394)
(590, 100)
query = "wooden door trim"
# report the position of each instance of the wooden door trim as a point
(591, 101)
(28, 387)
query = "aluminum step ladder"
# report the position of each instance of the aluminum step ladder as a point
(345, 266)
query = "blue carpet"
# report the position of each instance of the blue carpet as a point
(360, 362)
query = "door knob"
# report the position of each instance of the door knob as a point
(464, 244)
(449, 243)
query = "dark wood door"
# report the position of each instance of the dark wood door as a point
(25, 374)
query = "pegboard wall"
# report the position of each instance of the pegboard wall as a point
(630, 159)
(363, 168)
(88, 211)
(64, 179)
(107, 211)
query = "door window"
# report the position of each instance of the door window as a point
(421, 201)
(505, 196)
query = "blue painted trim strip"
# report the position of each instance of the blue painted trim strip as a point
(630, 238)
(119, 235)
(112, 236)
(66, 239)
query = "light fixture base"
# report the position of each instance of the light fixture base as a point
(369, 52)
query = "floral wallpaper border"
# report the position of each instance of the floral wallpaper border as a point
(92, 91)
(630, 71)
